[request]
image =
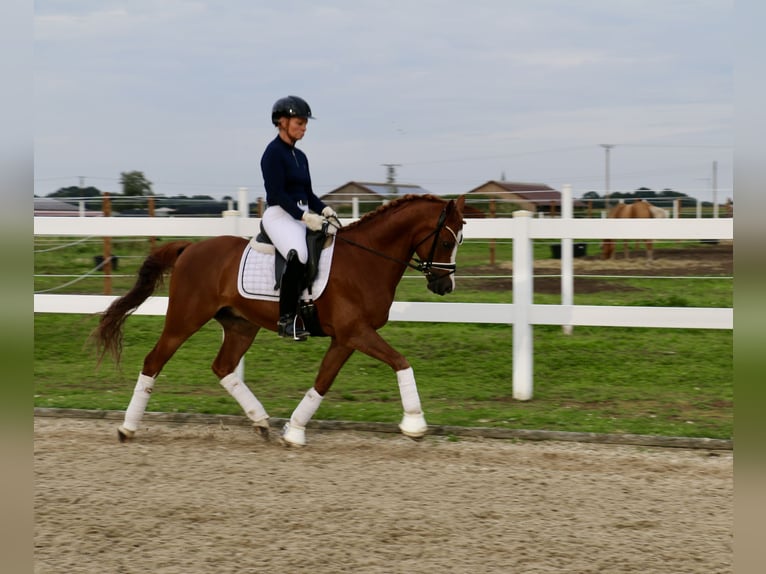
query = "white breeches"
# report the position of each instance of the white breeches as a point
(286, 232)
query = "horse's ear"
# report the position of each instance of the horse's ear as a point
(461, 203)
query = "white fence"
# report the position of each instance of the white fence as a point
(522, 313)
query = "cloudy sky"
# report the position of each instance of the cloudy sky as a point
(455, 93)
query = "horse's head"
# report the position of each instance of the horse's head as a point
(438, 250)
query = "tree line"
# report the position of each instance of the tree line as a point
(136, 188)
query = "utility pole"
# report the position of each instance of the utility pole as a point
(607, 149)
(715, 189)
(391, 177)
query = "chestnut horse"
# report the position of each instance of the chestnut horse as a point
(370, 258)
(638, 209)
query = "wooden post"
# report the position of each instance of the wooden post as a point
(152, 240)
(492, 214)
(260, 207)
(107, 251)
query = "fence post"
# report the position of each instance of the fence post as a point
(106, 267)
(152, 240)
(244, 212)
(523, 289)
(242, 205)
(567, 255)
(492, 214)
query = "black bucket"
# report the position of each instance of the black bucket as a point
(578, 250)
(98, 261)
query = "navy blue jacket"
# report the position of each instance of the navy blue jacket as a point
(287, 179)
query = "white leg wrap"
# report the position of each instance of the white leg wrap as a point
(294, 432)
(138, 402)
(244, 396)
(409, 391)
(413, 422)
(306, 408)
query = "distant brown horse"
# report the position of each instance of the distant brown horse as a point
(640, 209)
(370, 258)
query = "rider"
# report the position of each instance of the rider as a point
(292, 206)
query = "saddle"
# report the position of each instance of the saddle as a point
(315, 242)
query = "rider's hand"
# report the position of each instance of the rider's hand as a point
(330, 226)
(313, 221)
(332, 217)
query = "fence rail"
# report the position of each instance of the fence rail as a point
(523, 229)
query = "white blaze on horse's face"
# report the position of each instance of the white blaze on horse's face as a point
(442, 283)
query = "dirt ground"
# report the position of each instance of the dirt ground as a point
(191, 498)
(703, 260)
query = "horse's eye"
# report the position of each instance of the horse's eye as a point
(448, 245)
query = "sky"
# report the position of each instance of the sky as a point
(454, 94)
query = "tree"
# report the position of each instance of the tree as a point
(134, 183)
(75, 191)
(645, 193)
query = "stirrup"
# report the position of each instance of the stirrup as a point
(288, 327)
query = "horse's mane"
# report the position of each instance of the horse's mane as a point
(390, 206)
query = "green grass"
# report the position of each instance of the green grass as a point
(671, 382)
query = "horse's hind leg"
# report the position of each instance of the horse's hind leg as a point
(238, 335)
(649, 251)
(179, 326)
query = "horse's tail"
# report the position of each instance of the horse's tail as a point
(107, 336)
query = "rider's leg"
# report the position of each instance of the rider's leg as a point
(289, 292)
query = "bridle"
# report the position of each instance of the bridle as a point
(426, 266)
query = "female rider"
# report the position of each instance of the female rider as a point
(292, 206)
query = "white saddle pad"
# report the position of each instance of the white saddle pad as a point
(256, 272)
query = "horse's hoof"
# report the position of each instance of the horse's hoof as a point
(263, 428)
(293, 435)
(413, 426)
(125, 435)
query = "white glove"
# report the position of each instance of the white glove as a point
(313, 221)
(332, 217)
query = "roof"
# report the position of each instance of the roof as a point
(531, 191)
(51, 204)
(382, 188)
(536, 193)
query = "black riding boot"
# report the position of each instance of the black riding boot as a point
(289, 292)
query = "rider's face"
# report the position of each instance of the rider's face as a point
(295, 128)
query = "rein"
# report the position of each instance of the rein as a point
(420, 266)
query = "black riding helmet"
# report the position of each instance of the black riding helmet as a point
(290, 107)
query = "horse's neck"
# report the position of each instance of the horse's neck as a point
(392, 235)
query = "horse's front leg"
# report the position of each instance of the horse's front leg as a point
(294, 432)
(413, 422)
